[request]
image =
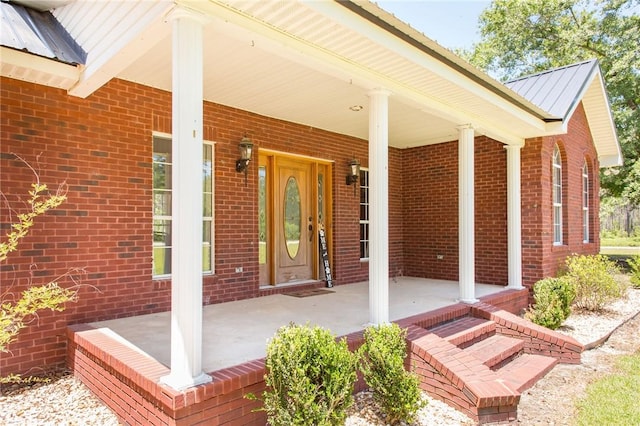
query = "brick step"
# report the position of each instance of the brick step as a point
(465, 331)
(496, 351)
(524, 371)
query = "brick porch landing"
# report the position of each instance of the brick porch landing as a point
(126, 378)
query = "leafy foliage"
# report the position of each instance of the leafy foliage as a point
(16, 315)
(13, 317)
(25, 220)
(520, 37)
(592, 278)
(310, 377)
(553, 299)
(634, 265)
(396, 390)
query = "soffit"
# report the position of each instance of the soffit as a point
(301, 62)
(36, 69)
(290, 61)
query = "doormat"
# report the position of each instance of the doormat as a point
(308, 293)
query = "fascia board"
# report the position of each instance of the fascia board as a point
(613, 134)
(65, 73)
(593, 74)
(610, 161)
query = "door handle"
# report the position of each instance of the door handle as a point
(310, 232)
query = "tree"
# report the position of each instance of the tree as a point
(521, 37)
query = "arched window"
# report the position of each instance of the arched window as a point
(585, 203)
(557, 196)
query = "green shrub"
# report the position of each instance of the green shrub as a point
(395, 389)
(634, 265)
(592, 278)
(310, 377)
(553, 299)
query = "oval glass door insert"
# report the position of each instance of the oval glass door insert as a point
(292, 217)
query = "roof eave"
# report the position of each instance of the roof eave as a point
(596, 104)
(36, 69)
(387, 21)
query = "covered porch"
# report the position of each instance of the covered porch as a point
(123, 360)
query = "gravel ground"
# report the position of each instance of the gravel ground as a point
(66, 401)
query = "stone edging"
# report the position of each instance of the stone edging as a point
(604, 338)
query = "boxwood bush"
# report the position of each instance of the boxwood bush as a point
(310, 377)
(381, 358)
(553, 298)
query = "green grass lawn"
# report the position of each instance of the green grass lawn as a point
(620, 242)
(622, 251)
(621, 246)
(613, 400)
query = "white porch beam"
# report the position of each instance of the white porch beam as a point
(466, 214)
(186, 256)
(514, 216)
(138, 28)
(379, 206)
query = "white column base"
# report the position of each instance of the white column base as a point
(181, 382)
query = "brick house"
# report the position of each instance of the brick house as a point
(462, 178)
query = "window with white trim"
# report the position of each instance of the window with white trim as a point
(557, 196)
(585, 203)
(364, 214)
(162, 199)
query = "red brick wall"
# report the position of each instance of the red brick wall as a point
(396, 220)
(101, 147)
(430, 206)
(540, 258)
(491, 212)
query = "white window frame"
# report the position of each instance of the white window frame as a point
(556, 171)
(364, 221)
(585, 202)
(211, 219)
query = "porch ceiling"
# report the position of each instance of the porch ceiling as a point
(310, 62)
(255, 74)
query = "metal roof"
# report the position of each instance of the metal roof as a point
(38, 33)
(559, 90)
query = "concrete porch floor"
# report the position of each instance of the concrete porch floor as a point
(237, 332)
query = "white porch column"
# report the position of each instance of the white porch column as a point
(466, 214)
(378, 206)
(186, 256)
(514, 218)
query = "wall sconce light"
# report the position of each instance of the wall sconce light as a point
(354, 173)
(242, 164)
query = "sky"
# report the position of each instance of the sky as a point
(452, 23)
